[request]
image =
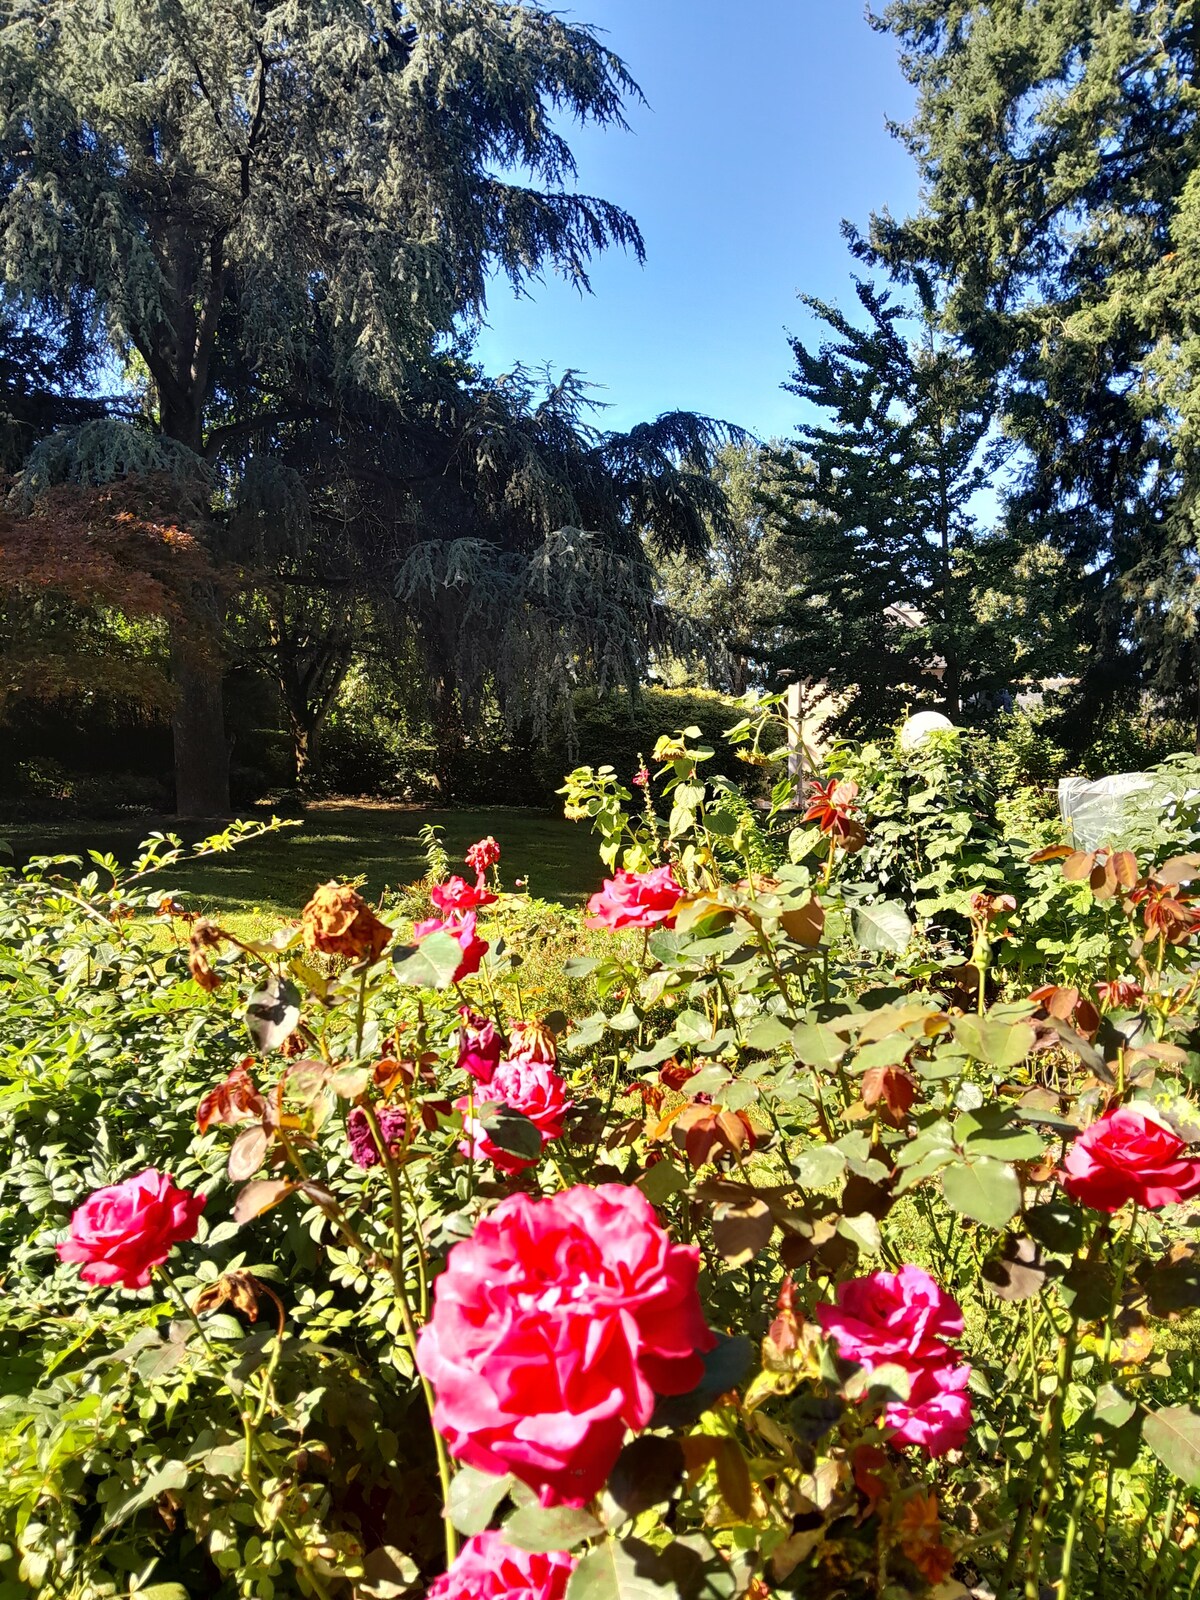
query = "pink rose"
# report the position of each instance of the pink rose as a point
(936, 1417)
(1127, 1155)
(483, 854)
(554, 1328)
(530, 1087)
(456, 894)
(461, 927)
(120, 1233)
(479, 1046)
(904, 1319)
(488, 1569)
(636, 900)
(892, 1317)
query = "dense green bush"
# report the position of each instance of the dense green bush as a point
(759, 1059)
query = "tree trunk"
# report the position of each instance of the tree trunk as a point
(201, 749)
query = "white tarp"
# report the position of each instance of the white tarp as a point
(1096, 810)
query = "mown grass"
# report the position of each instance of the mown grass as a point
(259, 882)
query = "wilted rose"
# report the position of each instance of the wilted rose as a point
(338, 921)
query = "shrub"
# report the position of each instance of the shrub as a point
(780, 1257)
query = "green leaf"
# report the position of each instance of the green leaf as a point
(473, 1499)
(510, 1129)
(994, 1131)
(999, 1044)
(985, 1189)
(544, 1528)
(646, 1474)
(862, 1231)
(817, 1045)
(724, 1368)
(819, 1166)
(659, 1182)
(580, 966)
(769, 1032)
(430, 964)
(630, 1570)
(171, 1475)
(884, 926)
(1174, 1435)
(272, 1012)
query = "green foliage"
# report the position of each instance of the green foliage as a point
(1057, 148)
(781, 1068)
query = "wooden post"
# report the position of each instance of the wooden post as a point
(795, 722)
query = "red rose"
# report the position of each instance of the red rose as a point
(484, 853)
(636, 900)
(479, 1046)
(120, 1233)
(1129, 1156)
(554, 1328)
(530, 1087)
(892, 1317)
(456, 894)
(486, 1568)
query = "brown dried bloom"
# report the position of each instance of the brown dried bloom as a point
(339, 922)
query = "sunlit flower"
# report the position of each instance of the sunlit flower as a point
(831, 806)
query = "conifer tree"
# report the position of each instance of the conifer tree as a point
(1058, 146)
(228, 187)
(875, 500)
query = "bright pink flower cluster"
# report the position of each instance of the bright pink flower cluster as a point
(530, 1087)
(904, 1319)
(554, 1328)
(1127, 1155)
(486, 1568)
(122, 1232)
(460, 926)
(484, 853)
(636, 900)
(457, 895)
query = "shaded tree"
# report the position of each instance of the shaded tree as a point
(229, 187)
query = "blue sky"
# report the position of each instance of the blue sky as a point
(765, 126)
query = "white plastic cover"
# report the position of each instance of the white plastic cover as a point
(1095, 810)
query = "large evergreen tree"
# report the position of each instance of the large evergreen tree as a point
(875, 497)
(1058, 143)
(228, 188)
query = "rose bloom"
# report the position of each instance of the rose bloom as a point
(636, 900)
(479, 1046)
(531, 1041)
(486, 1568)
(1127, 1155)
(936, 1417)
(393, 1125)
(462, 928)
(897, 1317)
(554, 1329)
(483, 854)
(530, 1087)
(339, 922)
(456, 894)
(831, 806)
(121, 1232)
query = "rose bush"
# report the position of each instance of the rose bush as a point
(817, 1222)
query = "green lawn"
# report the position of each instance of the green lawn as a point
(277, 874)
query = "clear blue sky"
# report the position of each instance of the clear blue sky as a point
(765, 126)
